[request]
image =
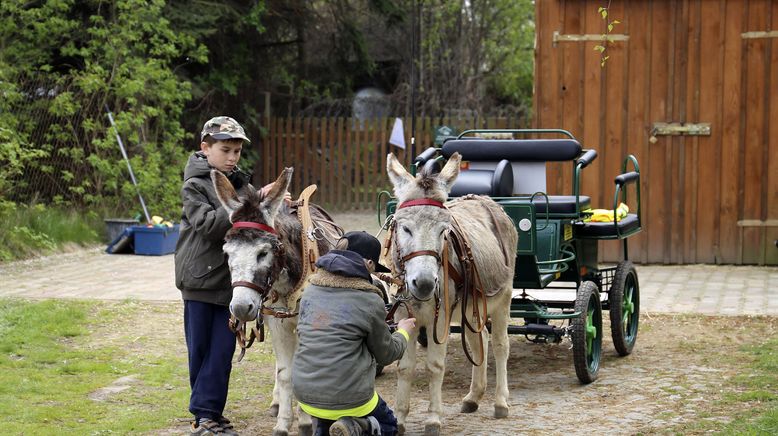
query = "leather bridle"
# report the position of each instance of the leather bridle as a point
(258, 330)
(409, 256)
(277, 251)
(468, 281)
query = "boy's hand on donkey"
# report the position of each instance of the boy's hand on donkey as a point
(407, 324)
(265, 189)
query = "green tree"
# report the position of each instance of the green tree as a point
(96, 53)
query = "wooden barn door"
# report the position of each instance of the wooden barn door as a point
(691, 88)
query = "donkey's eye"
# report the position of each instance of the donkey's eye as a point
(261, 256)
(407, 230)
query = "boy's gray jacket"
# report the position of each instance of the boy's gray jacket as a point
(202, 273)
(342, 335)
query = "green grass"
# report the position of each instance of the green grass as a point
(50, 363)
(753, 393)
(36, 230)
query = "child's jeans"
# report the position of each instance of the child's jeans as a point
(382, 413)
(211, 345)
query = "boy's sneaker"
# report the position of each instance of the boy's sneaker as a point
(205, 426)
(348, 426)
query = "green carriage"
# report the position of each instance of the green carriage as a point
(559, 288)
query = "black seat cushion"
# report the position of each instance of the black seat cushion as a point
(597, 229)
(526, 150)
(494, 183)
(557, 204)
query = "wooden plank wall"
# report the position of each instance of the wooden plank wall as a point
(346, 157)
(706, 199)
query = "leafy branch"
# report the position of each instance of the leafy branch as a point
(606, 38)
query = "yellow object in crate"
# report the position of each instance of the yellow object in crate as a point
(159, 221)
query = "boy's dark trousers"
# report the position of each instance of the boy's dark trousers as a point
(382, 413)
(211, 345)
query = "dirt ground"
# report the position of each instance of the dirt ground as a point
(681, 366)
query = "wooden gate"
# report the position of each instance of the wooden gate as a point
(708, 198)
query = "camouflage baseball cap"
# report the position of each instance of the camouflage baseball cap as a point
(220, 128)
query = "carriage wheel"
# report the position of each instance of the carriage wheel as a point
(587, 332)
(624, 301)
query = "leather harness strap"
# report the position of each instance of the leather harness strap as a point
(471, 287)
(468, 282)
(310, 247)
(239, 328)
(250, 285)
(421, 253)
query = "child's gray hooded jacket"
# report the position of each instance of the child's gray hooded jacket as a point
(342, 335)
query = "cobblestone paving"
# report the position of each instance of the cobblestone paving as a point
(93, 274)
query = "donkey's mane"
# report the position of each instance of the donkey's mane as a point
(428, 182)
(249, 208)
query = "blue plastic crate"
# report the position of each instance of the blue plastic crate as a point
(155, 241)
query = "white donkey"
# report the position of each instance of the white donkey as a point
(420, 235)
(265, 259)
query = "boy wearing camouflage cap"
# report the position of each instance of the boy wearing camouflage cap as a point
(202, 273)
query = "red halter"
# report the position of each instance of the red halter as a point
(252, 225)
(422, 202)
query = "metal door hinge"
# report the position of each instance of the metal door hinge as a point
(674, 129)
(613, 37)
(760, 34)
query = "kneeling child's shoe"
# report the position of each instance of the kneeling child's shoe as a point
(348, 426)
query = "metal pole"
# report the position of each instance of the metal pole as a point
(129, 167)
(413, 77)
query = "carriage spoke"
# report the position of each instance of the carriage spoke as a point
(591, 333)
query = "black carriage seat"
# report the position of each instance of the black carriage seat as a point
(527, 158)
(494, 183)
(623, 228)
(515, 150)
(599, 230)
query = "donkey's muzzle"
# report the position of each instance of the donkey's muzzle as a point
(244, 312)
(423, 287)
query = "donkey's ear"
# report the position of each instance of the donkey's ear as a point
(226, 193)
(450, 172)
(277, 191)
(398, 175)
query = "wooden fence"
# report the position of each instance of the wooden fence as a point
(346, 157)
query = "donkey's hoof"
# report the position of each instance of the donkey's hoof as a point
(305, 430)
(273, 410)
(280, 432)
(500, 412)
(468, 407)
(432, 429)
